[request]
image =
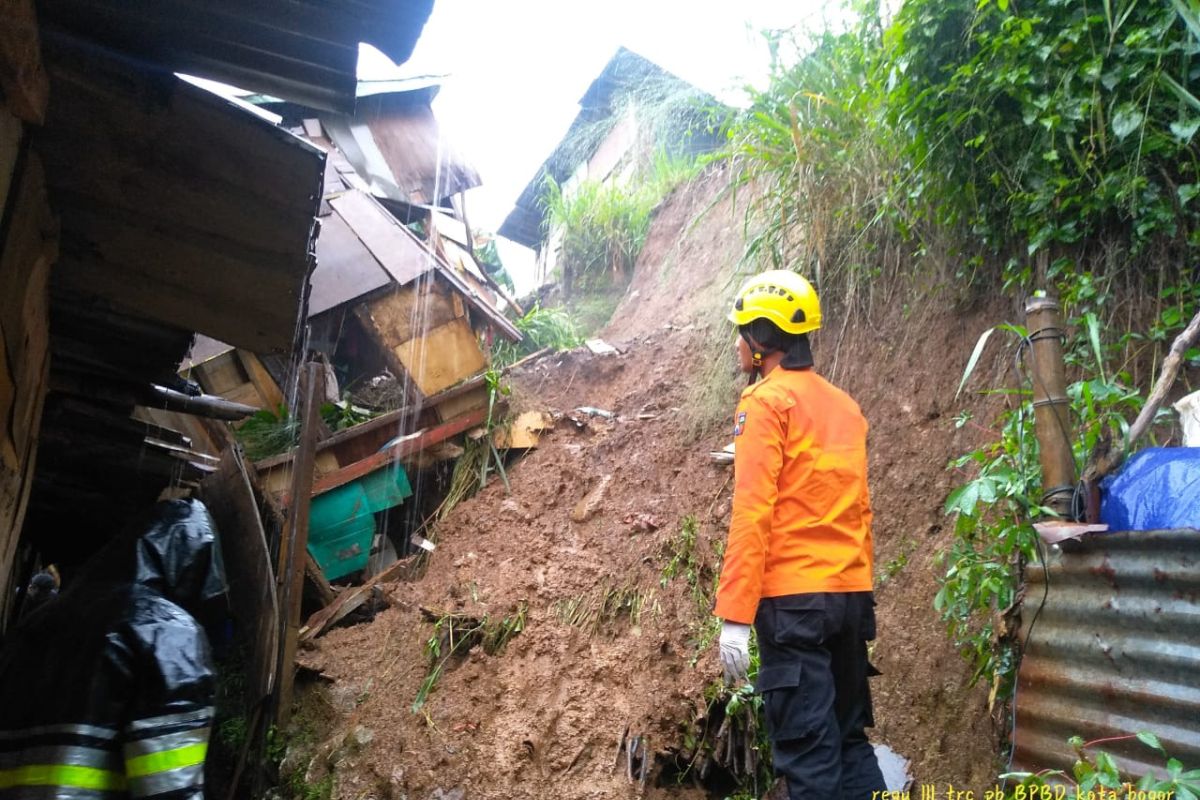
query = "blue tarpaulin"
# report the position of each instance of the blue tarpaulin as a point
(1158, 489)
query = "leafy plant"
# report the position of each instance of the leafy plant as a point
(603, 227)
(343, 414)
(730, 736)
(542, 327)
(267, 433)
(686, 561)
(1095, 773)
(1052, 131)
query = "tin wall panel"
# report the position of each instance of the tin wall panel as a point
(1114, 651)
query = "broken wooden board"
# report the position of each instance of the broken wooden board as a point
(414, 443)
(351, 599)
(524, 432)
(442, 357)
(398, 316)
(230, 499)
(461, 403)
(278, 479)
(239, 376)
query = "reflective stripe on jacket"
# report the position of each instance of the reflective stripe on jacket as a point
(151, 757)
(801, 511)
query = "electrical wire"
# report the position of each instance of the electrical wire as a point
(1043, 556)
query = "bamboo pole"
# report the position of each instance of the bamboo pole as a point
(1051, 407)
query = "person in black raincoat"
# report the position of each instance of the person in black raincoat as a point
(108, 691)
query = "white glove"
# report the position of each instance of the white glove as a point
(735, 651)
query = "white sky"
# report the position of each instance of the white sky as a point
(517, 68)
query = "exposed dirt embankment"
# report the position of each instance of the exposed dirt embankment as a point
(608, 642)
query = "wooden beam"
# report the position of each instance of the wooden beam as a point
(351, 599)
(293, 548)
(313, 572)
(26, 88)
(390, 418)
(406, 447)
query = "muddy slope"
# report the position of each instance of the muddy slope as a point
(543, 717)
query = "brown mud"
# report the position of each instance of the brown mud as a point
(543, 717)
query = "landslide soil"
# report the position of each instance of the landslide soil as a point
(543, 717)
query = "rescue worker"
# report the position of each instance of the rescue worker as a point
(108, 692)
(798, 561)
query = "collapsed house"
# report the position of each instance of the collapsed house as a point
(400, 313)
(137, 210)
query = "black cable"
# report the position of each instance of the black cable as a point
(1042, 555)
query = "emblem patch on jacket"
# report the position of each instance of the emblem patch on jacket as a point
(741, 424)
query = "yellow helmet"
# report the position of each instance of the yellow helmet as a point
(780, 296)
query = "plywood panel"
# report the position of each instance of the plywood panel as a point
(443, 357)
(404, 314)
(220, 375)
(463, 403)
(264, 384)
(278, 480)
(345, 267)
(400, 254)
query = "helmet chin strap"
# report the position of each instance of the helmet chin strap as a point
(757, 353)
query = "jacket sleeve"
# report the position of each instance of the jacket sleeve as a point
(165, 739)
(759, 436)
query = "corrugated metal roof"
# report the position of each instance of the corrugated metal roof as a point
(301, 50)
(1115, 650)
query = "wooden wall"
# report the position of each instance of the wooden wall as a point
(28, 246)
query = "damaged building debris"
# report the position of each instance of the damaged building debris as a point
(161, 298)
(138, 210)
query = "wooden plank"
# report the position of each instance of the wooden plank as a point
(268, 391)
(25, 258)
(351, 599)
(220, 374)
(393, 419)
(26, 88)
(345, 271)
(443, 357)
(405, 313)
(278, 479)
(401, 255)
(312, 571)
(501, 323)
(212, 234)
(294, 547)
(462, 403)
(230, 499)
(412, 444)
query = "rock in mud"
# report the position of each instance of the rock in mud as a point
(586, 508)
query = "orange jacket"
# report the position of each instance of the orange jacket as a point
(801, 513)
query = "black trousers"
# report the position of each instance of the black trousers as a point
(813, 679)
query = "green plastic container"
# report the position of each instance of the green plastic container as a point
(341, 522)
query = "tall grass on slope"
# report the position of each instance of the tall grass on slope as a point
(542, 327)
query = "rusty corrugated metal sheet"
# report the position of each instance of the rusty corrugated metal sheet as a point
(1114, 651)
(300, 50)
